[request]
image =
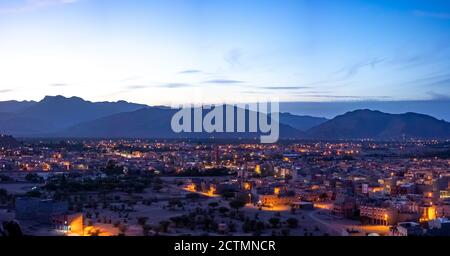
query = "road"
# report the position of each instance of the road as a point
(338, 227)
(334, 229)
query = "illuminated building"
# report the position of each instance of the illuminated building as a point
(277, 190)
(191, 187)
(443, 194)
(303, 205)
(66, 165)
(247, 186)
(428, 212)
(212, 190)
(69, 224)
(407, 229)
(46, 167)
(276, 200)
(343, 206)
(378, 215)
(258, 169)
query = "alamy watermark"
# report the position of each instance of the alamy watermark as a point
(260, 117)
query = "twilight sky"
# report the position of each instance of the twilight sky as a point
(177, 51)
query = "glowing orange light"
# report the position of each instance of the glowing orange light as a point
(431, 213)
(258, 169)
(191, 187)
(212, 190)
(276, 191)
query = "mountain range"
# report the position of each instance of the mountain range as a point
(58, 116)
(55, 113)
(8, 142)
(360, 124)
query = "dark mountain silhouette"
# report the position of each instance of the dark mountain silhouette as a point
(54, 113)
(63, 112)
(436, 107)
(14, 106)
(57, 116)
(143, 123)
(361, 124)
(155, 122)
(301, 123)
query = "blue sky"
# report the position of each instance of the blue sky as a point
(179, 51)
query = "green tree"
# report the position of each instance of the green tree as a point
(122, 229)
(193, 196)
(33, 193)
(274, 222)
(146, 230)
(223, 210)
(142, 221)
(164, 225)
(285, 232)
(292, 222)
(237, 204)
(213, 204)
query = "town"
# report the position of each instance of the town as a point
(185, 187)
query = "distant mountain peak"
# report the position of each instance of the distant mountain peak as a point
(365, 111)
(54, 113)
(59, 98)
(48, 97)
(374, 124)
(75, 116)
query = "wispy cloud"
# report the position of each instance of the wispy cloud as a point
(436, 79)
(285, 87)
(351, 71)
(163, 85)
(190, 71)
(438, 96)
(6, 90)
(50, 2)
(223, 81)
(354, 97)
(318, 95)
(137, 87)
(30, 5)
(130, 78)
(436, 15)
(233, 57)
(58, 85)
(427, 55)
(175, 85)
